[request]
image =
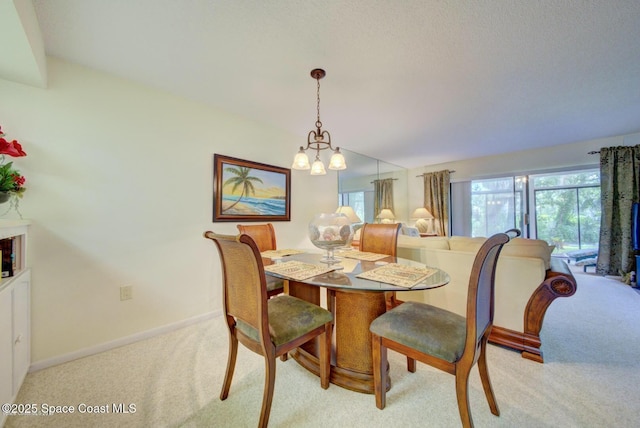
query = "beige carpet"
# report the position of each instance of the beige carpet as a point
(591, 378)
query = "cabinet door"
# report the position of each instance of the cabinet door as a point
(21, 330)
(6, 347)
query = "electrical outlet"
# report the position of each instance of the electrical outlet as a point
(126, 292)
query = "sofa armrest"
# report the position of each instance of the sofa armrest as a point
(559, 267)
(559, 282)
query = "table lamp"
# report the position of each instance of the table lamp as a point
(386, 216)
(424, 220)
(350, 213)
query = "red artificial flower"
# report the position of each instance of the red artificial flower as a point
(12, 148)
(18, 180)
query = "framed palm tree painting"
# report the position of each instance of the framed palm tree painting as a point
(250, 191)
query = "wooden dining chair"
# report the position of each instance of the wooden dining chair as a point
(268, 327)
(513, 233)
(443, 339)
(264, 236)
(381, 239)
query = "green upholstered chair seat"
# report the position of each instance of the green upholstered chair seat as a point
(274, 283)
(428, 329)
(289, 318)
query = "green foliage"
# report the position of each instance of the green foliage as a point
(10, 179)
(567, 207)
(562, 214)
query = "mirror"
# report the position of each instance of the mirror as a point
(356, 186)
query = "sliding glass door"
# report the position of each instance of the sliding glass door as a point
(563, 208)
(567, 209)
(497, 205)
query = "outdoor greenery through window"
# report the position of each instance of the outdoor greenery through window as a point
(567, 207)
(563, 208)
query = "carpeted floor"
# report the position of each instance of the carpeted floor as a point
(590, 378)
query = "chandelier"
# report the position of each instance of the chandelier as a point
(318, 140)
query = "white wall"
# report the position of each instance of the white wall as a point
(119, 180)
(563, 156)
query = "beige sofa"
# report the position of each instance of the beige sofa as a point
(527, 281)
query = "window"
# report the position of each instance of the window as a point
(497, 205)
(567, 209)
(359, 201)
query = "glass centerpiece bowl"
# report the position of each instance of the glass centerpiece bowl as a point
(329, 231)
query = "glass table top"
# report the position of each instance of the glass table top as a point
(344, 275)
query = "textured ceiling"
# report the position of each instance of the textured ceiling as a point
(410, 82)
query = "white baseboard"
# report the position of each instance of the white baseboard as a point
(49, 362)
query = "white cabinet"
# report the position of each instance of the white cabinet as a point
(21, 329)
(6, 347)
(15, 316)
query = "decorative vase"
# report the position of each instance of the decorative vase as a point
(329, 231)
(4, 197)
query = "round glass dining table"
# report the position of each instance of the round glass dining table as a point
(355, 302)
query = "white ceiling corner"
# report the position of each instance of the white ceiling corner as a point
(22, 57)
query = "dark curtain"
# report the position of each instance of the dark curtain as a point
(436, 199)
(620, 188)
(383, 196)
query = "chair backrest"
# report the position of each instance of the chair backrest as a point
(244, 284)
(264, 235)
(513, 233)
(380, 238)
(480, 296)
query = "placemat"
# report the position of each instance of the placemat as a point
(298, 270)
(270, 254)
(362, 255)
(396, 274)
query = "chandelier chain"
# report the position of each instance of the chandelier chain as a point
(318, 123)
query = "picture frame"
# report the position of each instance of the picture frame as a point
(246, 191)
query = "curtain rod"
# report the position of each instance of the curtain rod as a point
(380, 179)
(593, 152)
(422, 175)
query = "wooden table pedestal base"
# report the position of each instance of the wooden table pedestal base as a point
(351, 357)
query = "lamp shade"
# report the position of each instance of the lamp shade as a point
(301, 161)
(317, 168)
(421, 213)
(386, 216)
(350, 213)
(337, 161)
